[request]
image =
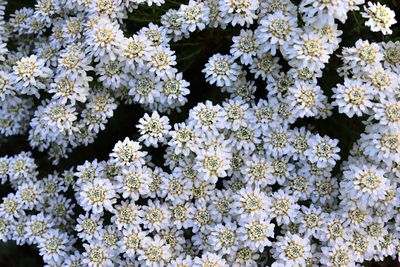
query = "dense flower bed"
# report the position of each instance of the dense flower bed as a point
(243, 182)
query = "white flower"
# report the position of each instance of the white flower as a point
(206, 118)
(322, 151)
(299, 142)
(334, 231)
(99, 108)
(311, 220)
(153, 129)
(11, 207)
(383, 82)
(380, 143)
(201, 217)
(258, 171)
(265, 113)
(74, 63)
(300, 186)
(337, 255)
(87, 225)
(30, 195)
(154, 252)
(202, 190)
(223, 238)
(72, 31)
(194, 15)
(242, 89)
(183, 139)
(353, 97)
(250, 203)
(237, 113)
(145, 88)
(176, 189)
(127, 153)
(30, 72)
(265, 66)
(331, 32)
(151, 2)
(3, 49)
(57, 117)
(388, 113)
(97, 255)
(246, 137)
(221, 70)
(36, 227)
(74, 259)
(220, 202)
(362, 246)
(161, 60)
(277, 142)
(325, 190)
(133, 182)
(172, 22)
(127, 215)
(45, 9)
(134, 51)
(54, 247)
(174, 89)
(361, 57)
(255, 233)
(242, 176)
(111, 74)
(281, 169)
(156, 176)
(353, 4)
(212, 164)
(104, 40)
(292, 250)
(306, 99)
(5, 85)
(283, 207)
(244, 257)
(131, 241)
(156, 216)
(276, 30)
(110, 8)
(380, 17)
(367, 184)
(238, 11)
(22, 168)
(64, 89)
(181, 261)
(210, 259)
(391, 54)
(244, 47)
(109, 236)
(97, 196)
(182, 214)
(155, 34)
(310, 50)
(15, 115)
(319, 12)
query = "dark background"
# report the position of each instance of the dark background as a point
(192, 54)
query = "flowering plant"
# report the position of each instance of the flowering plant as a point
(278, 145)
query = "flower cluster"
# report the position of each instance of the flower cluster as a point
(242, 183)
(380, 17)
(81, 71)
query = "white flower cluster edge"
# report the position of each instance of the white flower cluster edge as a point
(241, 186)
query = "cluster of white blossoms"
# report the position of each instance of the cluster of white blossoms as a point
(380, 18)
(241, 184)
(78, 65)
